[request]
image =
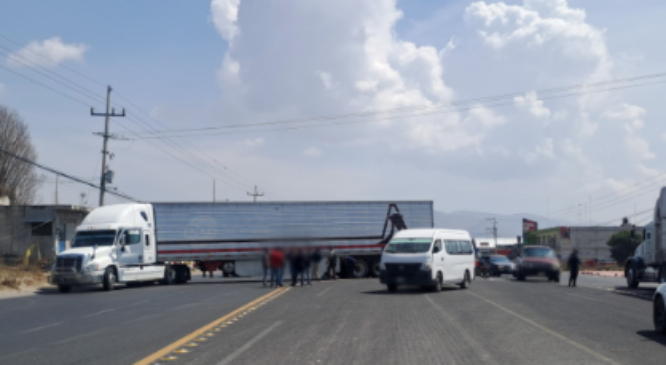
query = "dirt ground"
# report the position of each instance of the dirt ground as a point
(16, 280)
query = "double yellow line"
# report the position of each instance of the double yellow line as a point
(152, 358)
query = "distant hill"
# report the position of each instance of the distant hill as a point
(477, 222)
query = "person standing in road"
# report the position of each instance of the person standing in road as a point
(307, 262)
(332, 261)
(276, 262)
(574, 264)
(265, 263)
(316, 259)
(299, 263)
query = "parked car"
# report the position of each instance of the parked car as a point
(498, 265)
(659, 309)
(538, 260)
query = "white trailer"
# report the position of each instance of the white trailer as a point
(132, 243)
(648, 264)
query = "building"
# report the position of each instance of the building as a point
(486, 245)
(591, 242)
(50, 227)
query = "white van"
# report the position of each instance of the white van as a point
(429, 258)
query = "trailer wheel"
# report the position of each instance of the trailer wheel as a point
(392, 287)
(361, 269)
(109, 282)
(181, 274)
(374, 268)
(64, 288)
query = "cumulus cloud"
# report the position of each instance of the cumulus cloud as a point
(530, 103)
(47, 53)
(632, 118)
(326, 79)
(312, 152)
(224, 14)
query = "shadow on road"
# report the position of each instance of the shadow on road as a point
(638, 293)
(653, 336)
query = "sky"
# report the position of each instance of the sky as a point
(455, 102)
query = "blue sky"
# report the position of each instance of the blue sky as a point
(199, 64)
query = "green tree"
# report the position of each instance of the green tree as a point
(622, 245)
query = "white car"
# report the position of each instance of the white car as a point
(659, 309)
(428, 258)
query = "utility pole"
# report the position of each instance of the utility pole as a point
(255, 194)
(109, 113)
(213, 190)
(56, 190)
(494, 230)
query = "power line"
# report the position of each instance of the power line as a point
(67, 176)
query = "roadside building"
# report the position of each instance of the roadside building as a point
(50, 227)
(591, 241)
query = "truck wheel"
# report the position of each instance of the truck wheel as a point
(466, 282)
(109, 282)
(169, 275)
(659, 315)
(662, 275)
(361, 269)
(520, 276)
(374, 268)
(392, 287)
(556, 277)
(64, 288)
(181, 274)
(632, 281)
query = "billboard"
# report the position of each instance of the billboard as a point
(529, 225)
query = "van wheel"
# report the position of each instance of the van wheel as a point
(438, 283)
(361, 269)
(64, 288)
(466, 282)
(392, 287)
(659, 315)
(109, 281)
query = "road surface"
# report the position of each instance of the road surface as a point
(496, 321)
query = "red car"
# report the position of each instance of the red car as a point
(536, 260)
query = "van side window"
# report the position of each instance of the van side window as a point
(438, 246)
(466, 247)
(456, 246)
(451, 247)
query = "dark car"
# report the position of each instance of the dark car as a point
(498, 264)
(538, 260)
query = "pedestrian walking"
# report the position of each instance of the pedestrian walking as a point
(299, 266)
(265, 263)
(574, 264)
(276, 262)
(332, 262)
(316, 259)
(291, 261)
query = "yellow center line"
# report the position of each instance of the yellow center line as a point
(150, 359)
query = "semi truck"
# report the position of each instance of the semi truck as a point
(160, 242)
(648, 264)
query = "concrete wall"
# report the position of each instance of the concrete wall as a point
(591, 242)
(22, 226)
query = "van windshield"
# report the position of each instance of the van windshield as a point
(408, 245)
(538, 252)
(92, 238)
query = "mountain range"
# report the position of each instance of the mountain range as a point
(479, 224)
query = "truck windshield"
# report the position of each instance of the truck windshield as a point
(538, 252)
(409, 245)
(91, 238)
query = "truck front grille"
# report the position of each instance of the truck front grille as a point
(69, 264)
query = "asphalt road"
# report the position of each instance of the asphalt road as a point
(496, 321)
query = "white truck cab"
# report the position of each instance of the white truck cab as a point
(429, 258)
(114, 243)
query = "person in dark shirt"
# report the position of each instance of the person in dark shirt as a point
(265, 263)
(574, 264)
(316, 259)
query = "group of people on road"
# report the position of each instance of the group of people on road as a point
(303, 263)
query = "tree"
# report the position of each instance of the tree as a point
(18, 180)
(622, 246)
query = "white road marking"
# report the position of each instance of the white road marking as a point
(229, 359)
(42, 327)
(324, 291)
(547, 330)
(98, 313)
(584, 297)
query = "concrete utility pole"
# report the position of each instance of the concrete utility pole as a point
(56, 190)
(494, 230)
(255, 194)
(213, 190)
(109, 113)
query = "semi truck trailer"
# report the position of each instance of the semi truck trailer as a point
(160, 242)
(648, 264)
